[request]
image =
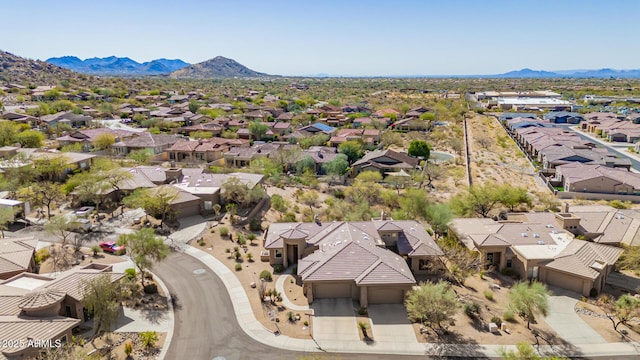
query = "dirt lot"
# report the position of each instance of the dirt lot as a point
(223, 250)
(474, 331)
(495, 157)
(112, 346)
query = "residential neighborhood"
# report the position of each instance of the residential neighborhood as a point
(166, 210)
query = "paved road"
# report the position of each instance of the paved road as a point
(205, 324)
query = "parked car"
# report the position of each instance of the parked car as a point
(85, 210)
(111, 247)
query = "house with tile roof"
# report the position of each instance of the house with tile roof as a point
(372, 262)
(385, 161)
(597, 179)
(541, 247)
(153, 143)
(45, 308)
(17, 255)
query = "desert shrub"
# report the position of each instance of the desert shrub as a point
(508, 315)
(289, 217)
(42, 255)
(255, 224)
(238, 267)
(95, 249)
(227, 250)
(149, 338)
(496, 320)
(294, 270)
(362, 311)
(224, 232)
(291, 316)
(151, 288)
(488, 294)
(472, 309)
(130, 273)
(508, 272)
(278, 268)
(128, 348)
(265, 274)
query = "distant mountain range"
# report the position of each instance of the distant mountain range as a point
(218, 67)
(20, 70)
(600, 73)
(118, 66)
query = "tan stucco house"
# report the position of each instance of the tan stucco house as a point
(546, 250)
(44, 308)
(372, 262)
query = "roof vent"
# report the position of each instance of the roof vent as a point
(536, 235)
(540, 242)
(524, 234)
(549, 226)
(619, 216)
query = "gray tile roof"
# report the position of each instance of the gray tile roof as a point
(16, 254)
(361, 262)
(580, 257)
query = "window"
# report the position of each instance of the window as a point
(278, 253)
(424, 264)
(509, 263)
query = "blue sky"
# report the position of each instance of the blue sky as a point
(345, 37)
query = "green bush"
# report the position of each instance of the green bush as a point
(130, 273)
(42, 255)
(289, 217)
(472, 309)
(508, 315)
(488, 294)
(496, 320)
(294, 270)
(362, 311)
(238, 267)
(149, 338)
(278, 268)
(224, 232)
(265, 274)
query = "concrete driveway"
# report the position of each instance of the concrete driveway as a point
(334, 322)
(389, 323)
(563, 319)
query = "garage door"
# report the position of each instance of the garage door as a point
(564, 281)
(385, 295)
(332, 290)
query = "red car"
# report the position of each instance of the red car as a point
(111, 247)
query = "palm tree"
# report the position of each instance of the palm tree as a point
(529, 300)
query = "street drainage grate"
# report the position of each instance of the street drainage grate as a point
(199, 271)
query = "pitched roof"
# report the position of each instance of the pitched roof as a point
(71, 284)
(16, 254)
(41, 299)
(21, 328)
(361, 262)
(585, 258)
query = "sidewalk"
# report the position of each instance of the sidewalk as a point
(253, 328)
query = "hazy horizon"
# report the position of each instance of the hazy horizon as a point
(356, 38)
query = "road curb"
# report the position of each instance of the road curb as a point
(167, 340)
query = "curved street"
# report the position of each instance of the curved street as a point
(205, 323)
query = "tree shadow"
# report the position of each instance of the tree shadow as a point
(175, 302)
(453, 345)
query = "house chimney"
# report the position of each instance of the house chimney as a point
(173, 175)
(565, 207)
